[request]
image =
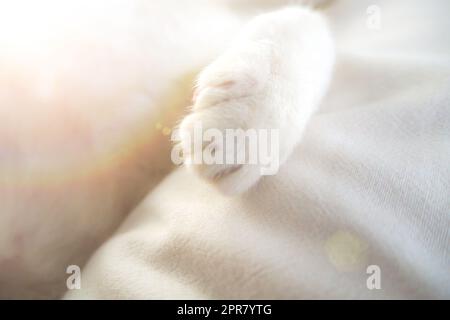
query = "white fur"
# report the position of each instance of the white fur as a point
(272, 77)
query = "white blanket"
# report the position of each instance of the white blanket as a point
(369, 185)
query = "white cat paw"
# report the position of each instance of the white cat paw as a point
(230, 95)
(271, 81)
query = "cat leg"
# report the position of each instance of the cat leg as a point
(272, 78)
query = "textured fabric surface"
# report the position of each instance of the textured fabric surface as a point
(368, 185)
